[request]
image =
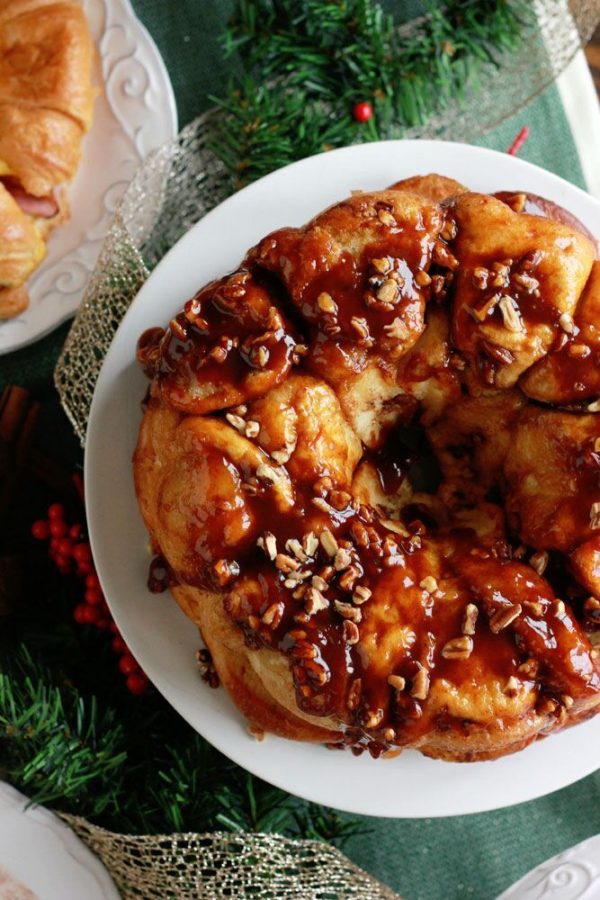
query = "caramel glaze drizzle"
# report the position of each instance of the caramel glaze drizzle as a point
(303, 581)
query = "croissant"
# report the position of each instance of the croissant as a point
(369, 464)
(46, 103)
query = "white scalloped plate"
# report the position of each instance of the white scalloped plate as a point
(134, 113)
(571, 875)
(160, 636)
(42, 859)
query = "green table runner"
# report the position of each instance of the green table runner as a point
(471, 856)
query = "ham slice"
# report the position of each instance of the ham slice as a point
(37, 207)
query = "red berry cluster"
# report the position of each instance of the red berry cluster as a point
(72, 555)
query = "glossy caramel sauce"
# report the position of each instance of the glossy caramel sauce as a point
(356, 599)
(230, 336)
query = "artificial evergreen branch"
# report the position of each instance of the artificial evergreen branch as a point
(306, 63)
(110, 762)
(57, 746)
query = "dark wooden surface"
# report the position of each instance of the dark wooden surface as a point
(593, 57)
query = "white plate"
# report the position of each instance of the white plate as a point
(571, 875)
(162, 639)
(134, 113)
(42, 859)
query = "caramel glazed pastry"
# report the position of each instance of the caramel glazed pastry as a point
(370, 460)
(46, 101)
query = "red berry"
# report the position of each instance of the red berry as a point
(114, 628)
(93, 596)
(118, 644)
(53, 545)
(80, 614)
(82, 552)
(84, 568)
(57, 528)
(40, 530)
(85, 614)
(64, 547)
(62, 561)
(128, 665)
(75, 532)
(56, 511)
(102, 623)
(363, 111)
(92, 614)
(137, 683)
(92, 581)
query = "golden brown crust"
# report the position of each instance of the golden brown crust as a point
(46, 102)
(433, 187)
(13, 301)
(21, 246)
(233, 661)
(383, 542)
(46, 57)
(41, 148)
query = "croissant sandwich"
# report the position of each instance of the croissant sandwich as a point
(46, 101)
(369, 463)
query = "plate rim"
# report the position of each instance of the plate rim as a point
(304, 791)
(43, 820)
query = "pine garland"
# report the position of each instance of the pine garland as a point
(106, 757)
(306, 63)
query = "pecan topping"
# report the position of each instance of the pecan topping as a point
(458, 648)
(273, 614)
(510, 315)
(469, 619)
(347, 611)
(350, 632)
(361, 594)
(429, 584)
(420, 685)
(326, 303)
(225, 570)
(566, 323)
(386, 218)
(328, 542)
(503, 617)
(314, 601)
(285, 563)
(539, 561)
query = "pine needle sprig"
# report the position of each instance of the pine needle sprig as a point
(305, 64)
(320, 824)
(57, 745)
(107, 759)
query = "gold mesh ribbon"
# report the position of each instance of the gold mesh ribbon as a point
(223, 866)
(181, 182)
